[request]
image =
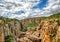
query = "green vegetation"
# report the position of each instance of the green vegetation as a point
(1, 22)
(58, 21)
(23, 29)
(53, 34)
(31, 24)
(9, 38)
(58, 40)
(55, 16)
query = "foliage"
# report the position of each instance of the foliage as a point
(9, 38)
(32, 24)
(58, 40)
(23, 29)
(55, 16)
(53, 34)
(58, 22)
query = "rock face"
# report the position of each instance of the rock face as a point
(47, 31)
(1, 34)
(31, 30)
(58, 35)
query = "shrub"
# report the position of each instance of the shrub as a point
(9, 38)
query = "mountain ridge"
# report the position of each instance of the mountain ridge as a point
(56, 15)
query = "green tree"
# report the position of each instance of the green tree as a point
(9, 38)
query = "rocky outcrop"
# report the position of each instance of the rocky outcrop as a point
(47, 31)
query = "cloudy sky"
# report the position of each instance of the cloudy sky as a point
(22, 9)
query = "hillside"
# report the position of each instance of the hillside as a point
(39, 29)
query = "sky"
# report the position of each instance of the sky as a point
(22, 9)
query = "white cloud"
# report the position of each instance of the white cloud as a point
(15, 5)
(52, 7)
(9, 7)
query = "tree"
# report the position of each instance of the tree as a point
(9, 38)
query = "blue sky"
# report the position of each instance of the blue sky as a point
(22, 9)
(41, 5)
(19, 12)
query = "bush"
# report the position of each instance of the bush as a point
(31, 24)
(9, 38)
(58, 40)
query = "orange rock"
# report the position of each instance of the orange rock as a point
(46, 38)
(58, 34)
(2, 35)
